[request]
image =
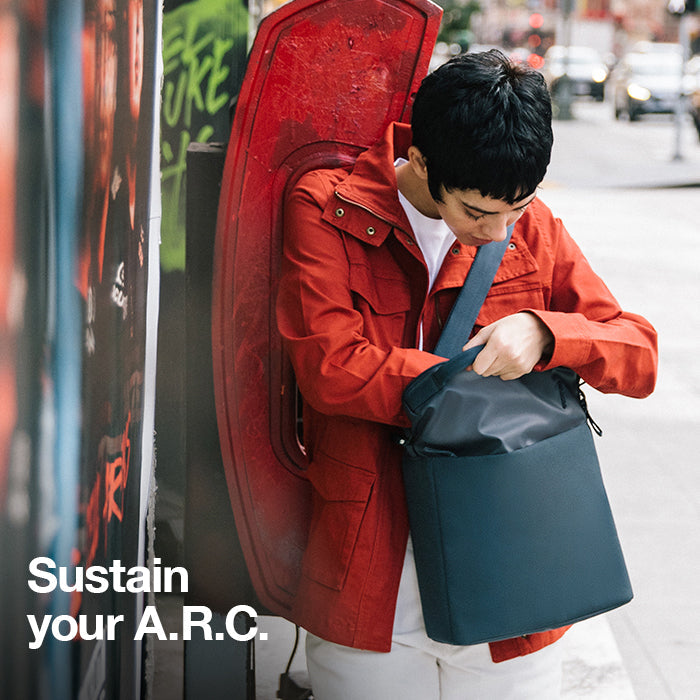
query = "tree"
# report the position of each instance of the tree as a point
(456, 21)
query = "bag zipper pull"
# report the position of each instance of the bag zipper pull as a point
(584, 405)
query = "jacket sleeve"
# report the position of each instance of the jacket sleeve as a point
(338, 370)
(612, 350)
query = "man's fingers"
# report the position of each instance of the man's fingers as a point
(485, 363)
(480, 338)
(513, 346)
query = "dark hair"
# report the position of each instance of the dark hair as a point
(484, 123)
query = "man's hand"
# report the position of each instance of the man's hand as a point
(513, 346)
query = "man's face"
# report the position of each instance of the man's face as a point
(475, 219)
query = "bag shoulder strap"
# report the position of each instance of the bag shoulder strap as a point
(471, 297)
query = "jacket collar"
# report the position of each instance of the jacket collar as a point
(366, 202)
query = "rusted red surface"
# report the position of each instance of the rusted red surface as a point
(325, 77)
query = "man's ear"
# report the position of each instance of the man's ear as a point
(417, 163)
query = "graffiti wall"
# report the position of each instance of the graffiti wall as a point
(77, 259)
(204, 49)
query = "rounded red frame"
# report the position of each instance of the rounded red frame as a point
(313, 70)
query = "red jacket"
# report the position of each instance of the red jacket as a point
(353, 292)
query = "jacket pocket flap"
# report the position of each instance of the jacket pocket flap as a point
(340, 500)
(385, 295)
(517, 262)
(336, 481)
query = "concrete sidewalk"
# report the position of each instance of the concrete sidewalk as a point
(645, 243)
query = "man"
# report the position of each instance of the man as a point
(374, 258)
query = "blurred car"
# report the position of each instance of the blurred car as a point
(647, 83)
(583, 66)
(656, 47)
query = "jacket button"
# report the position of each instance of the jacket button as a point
(340, 212)
(371, 231)
(455, 251)
(511, 246)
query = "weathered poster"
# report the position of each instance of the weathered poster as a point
(9, 112)
(118, 53)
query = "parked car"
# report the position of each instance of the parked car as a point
(656, 47)
(647, 83)
(583, 66)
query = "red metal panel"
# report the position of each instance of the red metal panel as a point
(325, 78)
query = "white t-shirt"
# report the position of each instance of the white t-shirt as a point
(433, 238)
(432, 235)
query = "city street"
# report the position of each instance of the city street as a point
(646, 244)
(595, 150)
(635, 211)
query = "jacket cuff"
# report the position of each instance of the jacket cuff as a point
(572, 343)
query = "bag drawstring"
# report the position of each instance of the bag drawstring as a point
(584, 405)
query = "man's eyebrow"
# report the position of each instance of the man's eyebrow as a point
(485, 211)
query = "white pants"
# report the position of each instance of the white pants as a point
(417, 668)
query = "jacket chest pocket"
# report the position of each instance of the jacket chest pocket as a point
(507, 299)
(518, 285)
(383, 302)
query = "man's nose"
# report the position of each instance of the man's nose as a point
(497, 228)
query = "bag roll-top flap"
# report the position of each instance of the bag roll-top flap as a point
(433, 379)
(457, 412)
